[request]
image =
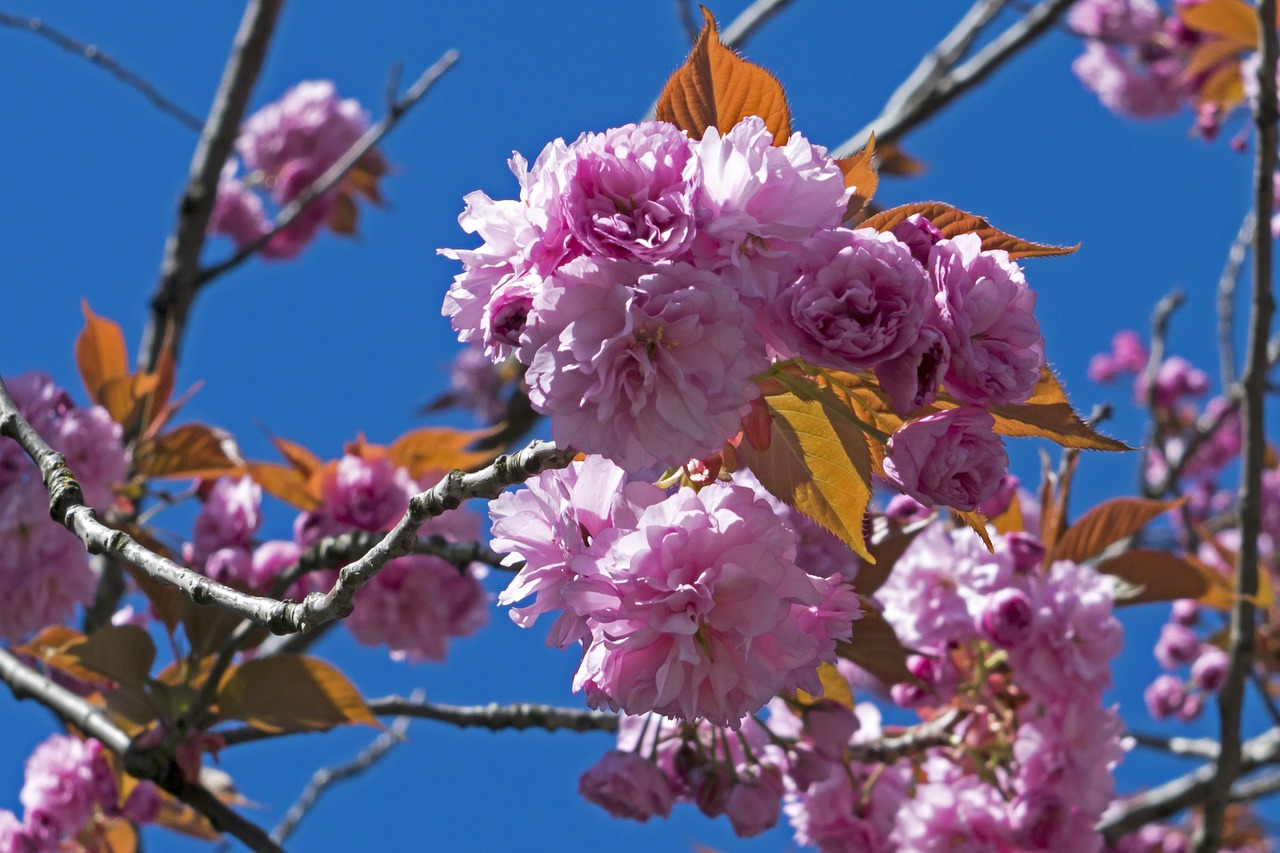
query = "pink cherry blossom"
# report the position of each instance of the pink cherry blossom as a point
(1128, 87)
(66, 779)
(627, 785)
(859, 299)
(702, 613)
(1130, 21)
(309, 122)
(987, 313)
(951, 458)
(644, 365)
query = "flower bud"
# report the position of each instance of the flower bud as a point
(1009, 618)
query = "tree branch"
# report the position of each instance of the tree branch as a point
(1243, 639)
(891, 125)
(177, 288)
(1206, 748)
(66, 503)
(92, 54)
(1226, 298)
(335, 173)
(26, 683)
(326, 777)
(1187, 790)
(752, 18)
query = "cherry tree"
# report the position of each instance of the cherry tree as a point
(771, 519)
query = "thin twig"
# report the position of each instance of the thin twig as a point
(94, 55)
(326, 777)
(177, 288)
(67, 507)
(1226, 298)
(1160, 317)
(886, 750)
(890, 126)
(26, 683)
(493, 717)
(335, 173)
(1204, 748)
(1243, 639)
(684, 14)
(1185, 791)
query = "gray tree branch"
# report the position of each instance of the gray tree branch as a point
(177, 288)
(93, 54)
(1243, 639)
(335, 173)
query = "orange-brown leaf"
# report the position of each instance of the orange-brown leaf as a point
(876, 648)
(438, 450)
(287, 484)
(47, 646)
(717, 88)
(953, 222)
(127, 397)
(180, 817)
(1208, 55)
(100, 352)
(345, 216)
(1048, 414)
(1105, 524)
(291, 693)
(977, 522)
(299, 457)
(1233, 20)
(1157, 576)
(1224, 88)
(191, 450)
(860, 176)
(123, 653)
(895, 161)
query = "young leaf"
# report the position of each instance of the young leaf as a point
(1048, 414)
(976, 522)
(100, 352)
(306, 462)
(953, 222)
(876, 648)
(834, 688)
(191, 450)
(818, 462)
(47, 646)
(717, 88)
(1158, 575)
(286, 483)
(1233, 20)
(123, 653)
(291, 693)
(437, 450)
(132, 708)
(1107, 523)
(860, 175)
(1224, 88)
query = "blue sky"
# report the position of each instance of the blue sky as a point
(349, 337)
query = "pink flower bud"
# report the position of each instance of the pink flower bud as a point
(1165, 696)
(1185, 612)
(754, 806)
(951, 458)
(710, 784)
(1009, 618)
(1210, 669)
(1026, 549)
(626, 785)
(1178, 646)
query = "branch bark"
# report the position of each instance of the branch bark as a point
(1243, 639)
(335, 173)
(938, 90)
(177, 289)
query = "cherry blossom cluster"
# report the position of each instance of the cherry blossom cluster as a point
(646, 280)
(414, 605)
(285, 147)
(690, 604)
(69, 784)
(44, 569)
(1023, 650)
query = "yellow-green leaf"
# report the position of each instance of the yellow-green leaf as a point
(817, 462)
(291, 693)
(952, 222)
(1048, 414)
(834, 688)
(717, 88)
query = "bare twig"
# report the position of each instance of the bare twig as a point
(1184, 791)
(1205, 748)
(1226, 298)
(1160, 317)
(886, 750)
(684, 14)
(890, 126)
(335, 173)
(67, 507)
(94, 55)
(326, 777)
(1243, 640)
(493, 717)
(177, 288)
(26, 683)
